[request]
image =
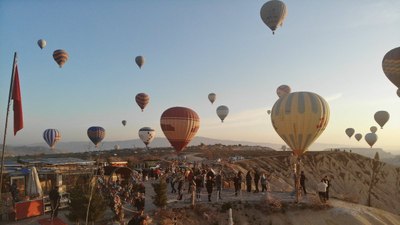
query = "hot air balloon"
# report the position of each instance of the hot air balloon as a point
(373, 129)
(299, 118)
(269, 111)
(212, 97)
(142, 99)
(60, 56)
(96, 134)
(42, 43)
(371, 138)
(381, 117)
(349, 132)
(391, 66)
(51, 136)
(139, 61)
(124, 122)
(273, 13)
(222, 112)
(358, 136)
(179, 125)
(147, 135)
(283, 90)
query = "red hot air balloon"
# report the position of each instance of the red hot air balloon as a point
(179, 125)
(142, 99)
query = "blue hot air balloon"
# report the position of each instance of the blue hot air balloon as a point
(51, 136)
(96, 134)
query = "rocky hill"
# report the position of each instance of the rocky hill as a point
(351, 176)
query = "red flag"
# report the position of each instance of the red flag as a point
(17, 103)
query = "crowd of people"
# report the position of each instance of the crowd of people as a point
(203, 180)
(199, 181)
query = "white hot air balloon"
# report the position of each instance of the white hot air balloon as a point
(147, 134)
(222, 112)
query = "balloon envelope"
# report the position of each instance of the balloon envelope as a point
(391, 66)
(381, 117)
(371, 138)
(142, 99)
(124, 122)
(179, 125)
(273, 13)
(147, 134)
(96, 134)
(358, 136)
(139, 61)
(51, 136)
(222, 112)
(349, 132)
(60, 56)
(212, 97)
(373, 129)
(283, 90)
(42, 43)
(299, 118)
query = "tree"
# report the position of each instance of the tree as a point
(160, 188)
(79, 197)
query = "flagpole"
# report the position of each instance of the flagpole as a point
(5, 127)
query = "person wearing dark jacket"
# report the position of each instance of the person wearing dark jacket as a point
(209, 186)
(237, 181)
(248, 181)
(218, 185)
(55, 197)
(303, 182)
(256, 180)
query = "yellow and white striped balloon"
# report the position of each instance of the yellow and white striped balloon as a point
(299, 118)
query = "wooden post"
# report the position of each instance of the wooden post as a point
(193, 195)
(230, 220)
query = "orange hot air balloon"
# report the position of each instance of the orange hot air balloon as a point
(142, 99)
(179, 125)
(60, 56)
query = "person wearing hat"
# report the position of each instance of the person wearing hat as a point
(54, 201)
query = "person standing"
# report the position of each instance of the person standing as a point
(328, 182)
(321, 187)
(248, 181)
(209, 186)
(199, 185)
(303, 182)
(256, 180)
(264, 183)
(14, 191)
(55, 197)
(180, 186)
(218, 185)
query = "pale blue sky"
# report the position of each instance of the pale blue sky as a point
(192, 48)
